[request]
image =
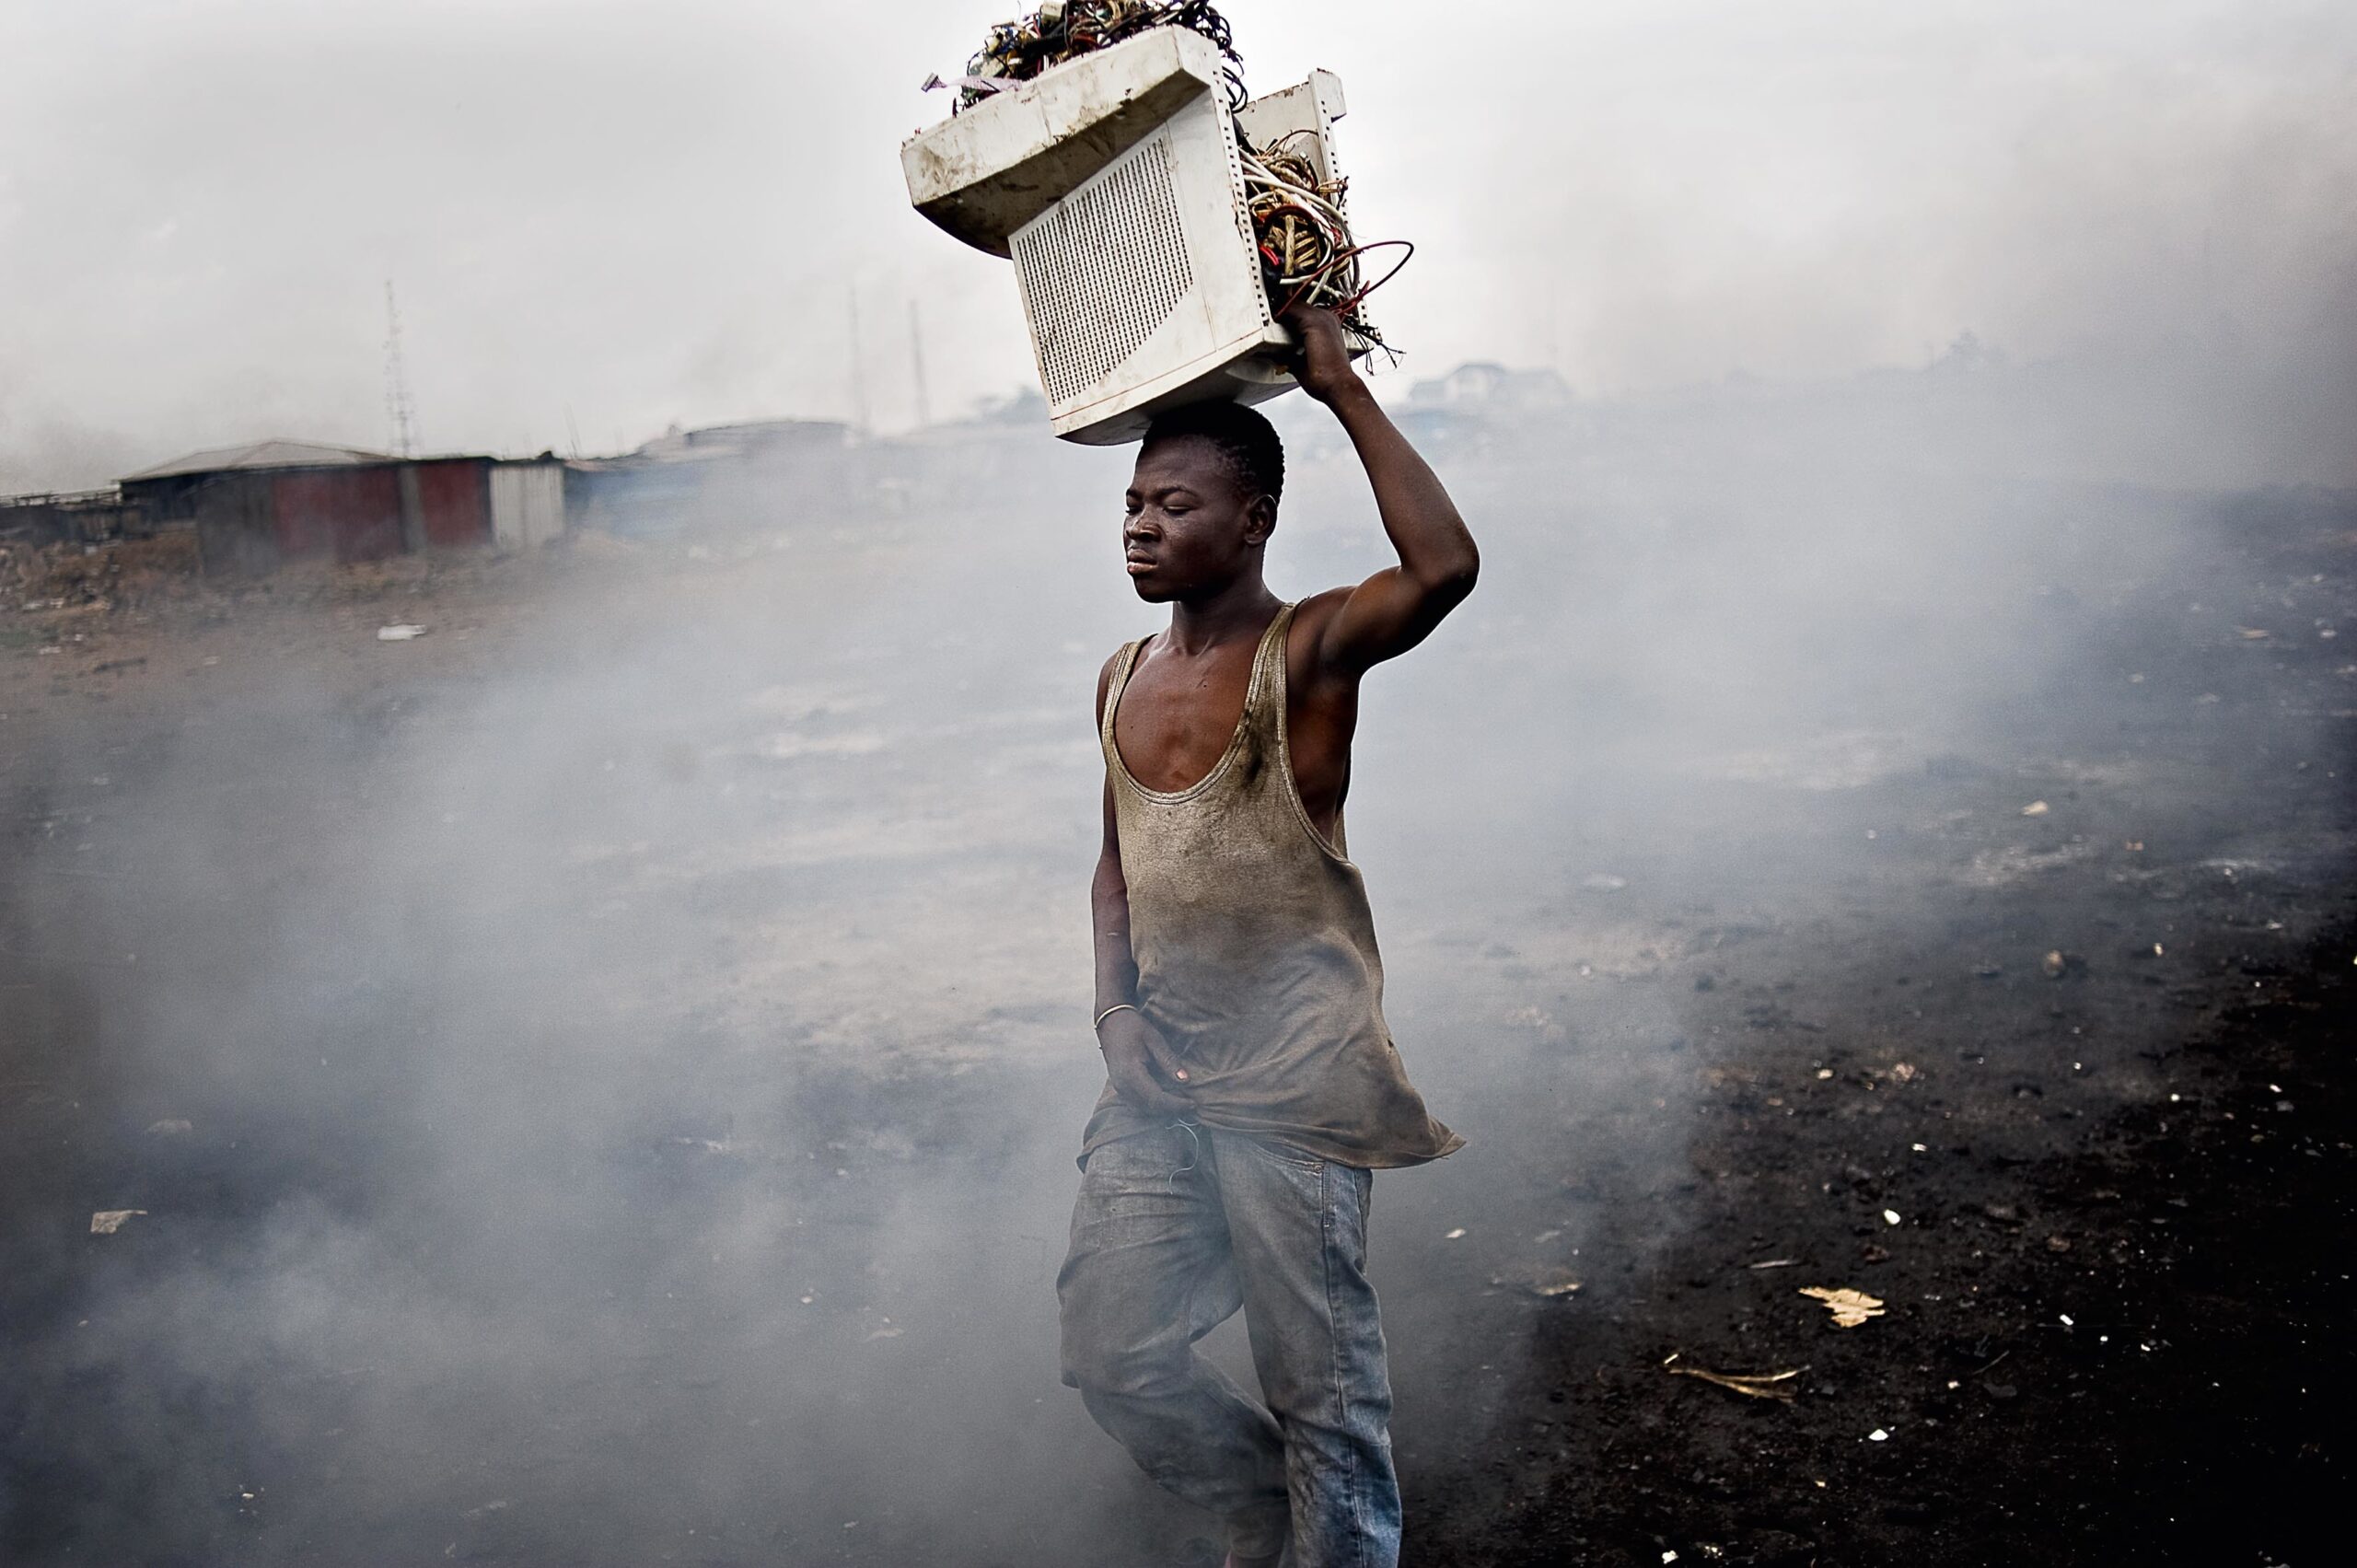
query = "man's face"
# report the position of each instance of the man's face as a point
(1189, 527)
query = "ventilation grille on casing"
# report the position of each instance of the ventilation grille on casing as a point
(1103, 268)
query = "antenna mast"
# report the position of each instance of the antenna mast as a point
(858, 364)
(398, 411)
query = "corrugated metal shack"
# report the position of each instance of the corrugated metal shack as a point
(80, 516)
(257, 506)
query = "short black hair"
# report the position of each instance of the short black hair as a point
(1247, 441)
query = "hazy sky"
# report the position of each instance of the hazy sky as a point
(602, 218)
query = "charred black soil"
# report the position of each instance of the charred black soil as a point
(2114, 1334)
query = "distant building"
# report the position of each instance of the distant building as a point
(724, 475)
(83, 516)
(258, 505)
(1482, 385)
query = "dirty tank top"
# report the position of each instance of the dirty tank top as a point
(1256, 949)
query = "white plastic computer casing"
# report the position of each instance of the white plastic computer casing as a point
(1112, 182)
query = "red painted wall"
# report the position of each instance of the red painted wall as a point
(349, 514)
(455, 496)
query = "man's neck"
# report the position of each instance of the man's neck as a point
(1241, 609)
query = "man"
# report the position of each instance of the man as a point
(1252, 1083)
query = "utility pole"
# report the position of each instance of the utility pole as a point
(916, 365)
(399, 413)
(858, 367)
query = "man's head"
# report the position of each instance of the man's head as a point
(1203, 501)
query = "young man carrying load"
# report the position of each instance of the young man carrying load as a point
(1253, 1086)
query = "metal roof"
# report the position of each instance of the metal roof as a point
(262, 455)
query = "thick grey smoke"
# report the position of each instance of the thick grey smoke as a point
(632, 1040)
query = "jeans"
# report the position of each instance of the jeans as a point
(1174, 1230)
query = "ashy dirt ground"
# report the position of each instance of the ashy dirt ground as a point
(596, 1082)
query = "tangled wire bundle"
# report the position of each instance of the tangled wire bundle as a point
(1306, 254)
(1065, 29)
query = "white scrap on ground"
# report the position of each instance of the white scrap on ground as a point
(401, 634)
(106, 1221)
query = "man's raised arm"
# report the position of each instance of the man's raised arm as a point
(1397, 608)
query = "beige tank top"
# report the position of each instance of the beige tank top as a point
(1256, 949)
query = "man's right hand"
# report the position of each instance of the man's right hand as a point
(1145, 1071)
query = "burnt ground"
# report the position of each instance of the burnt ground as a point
(2115, 1320)
(600, 1084)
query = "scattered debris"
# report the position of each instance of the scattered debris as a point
(106, 1221)
(1547, 1284)
(1877, 1436)
(1849, 1307)
(1604, 882)
(2250, 634)
(2035, 808)
(1773, 1263)
(1453, 1235)
(402, 634)
(171, 1126)
(1890, 1217)
(1902, 1073)
(1754, 1385)
(2061, 965)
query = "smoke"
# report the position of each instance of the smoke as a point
(631, 1041)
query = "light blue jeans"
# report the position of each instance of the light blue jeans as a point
(1174, 1230)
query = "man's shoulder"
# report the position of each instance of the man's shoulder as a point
(1112, 663)
(1319, 607)
(1312, 617)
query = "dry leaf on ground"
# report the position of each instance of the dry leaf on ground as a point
(1548, 1283)
(1758, 1385)
(1849, 1307)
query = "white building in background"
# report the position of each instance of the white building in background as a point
(1483, 385)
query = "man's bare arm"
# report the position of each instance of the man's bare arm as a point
(1397, 608)
(1144, 1068)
